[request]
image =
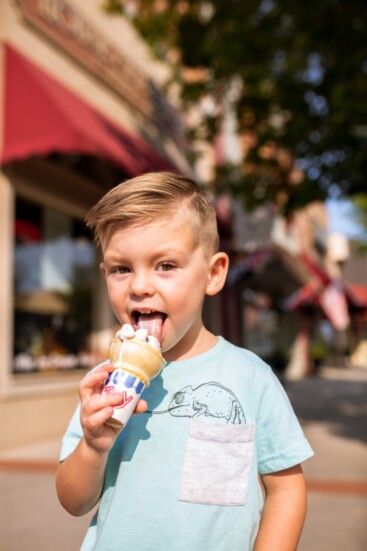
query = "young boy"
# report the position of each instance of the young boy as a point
(215, 463)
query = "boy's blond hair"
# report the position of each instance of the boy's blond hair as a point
(153, 196)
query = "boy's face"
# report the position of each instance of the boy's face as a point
(159, 270)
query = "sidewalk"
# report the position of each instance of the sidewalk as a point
(333, 411)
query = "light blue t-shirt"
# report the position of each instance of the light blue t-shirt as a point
(184, 476)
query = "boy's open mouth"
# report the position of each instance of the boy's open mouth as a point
(151, 320)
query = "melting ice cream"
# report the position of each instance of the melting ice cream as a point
(137, 359)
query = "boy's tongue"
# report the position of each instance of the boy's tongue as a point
(153, 323)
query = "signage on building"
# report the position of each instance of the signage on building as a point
(70, 30)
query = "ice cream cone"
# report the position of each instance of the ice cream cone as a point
(136, 363)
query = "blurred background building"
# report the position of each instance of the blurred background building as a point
(81, 109)
(296, 294)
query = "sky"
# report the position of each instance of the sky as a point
(343, 218)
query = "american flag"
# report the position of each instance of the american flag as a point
(335, 306)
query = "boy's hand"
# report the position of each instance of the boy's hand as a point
(97, 408)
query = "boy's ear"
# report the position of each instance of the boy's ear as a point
(218, 269)
(102, 267)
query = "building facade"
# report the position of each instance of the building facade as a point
(81, 110)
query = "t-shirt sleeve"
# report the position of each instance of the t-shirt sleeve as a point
(280, 440)
(72, 436)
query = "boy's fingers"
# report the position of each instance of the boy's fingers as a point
(93, 382)
(95, 421)
(98, 402)
(109, 367)
(90, 383)
(141, 407)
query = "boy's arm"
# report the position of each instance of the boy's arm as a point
(284, 510)
(80, 478)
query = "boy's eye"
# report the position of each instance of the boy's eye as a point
(120, 270)
(166, 266)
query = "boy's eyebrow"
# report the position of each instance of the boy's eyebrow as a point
(160, 252)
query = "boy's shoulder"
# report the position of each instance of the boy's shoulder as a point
(243, 358)
(231, 348)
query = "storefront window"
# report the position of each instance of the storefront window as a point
(260, 323)
(54, 279)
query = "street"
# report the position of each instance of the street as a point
(333, 411)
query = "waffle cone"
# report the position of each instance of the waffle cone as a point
(137, 357)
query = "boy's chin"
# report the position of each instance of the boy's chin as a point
(167, 349)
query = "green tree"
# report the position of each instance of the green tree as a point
(301, 74)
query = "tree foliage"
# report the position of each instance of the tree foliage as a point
(299, 70)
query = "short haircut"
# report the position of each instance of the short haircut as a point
(151, 197)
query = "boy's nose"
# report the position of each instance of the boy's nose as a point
(141, 284)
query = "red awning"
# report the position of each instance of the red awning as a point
(356, 295)
(335, 298)
(42, 117)
(308, 295)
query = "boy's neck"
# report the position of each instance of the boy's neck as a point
(205, 340)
